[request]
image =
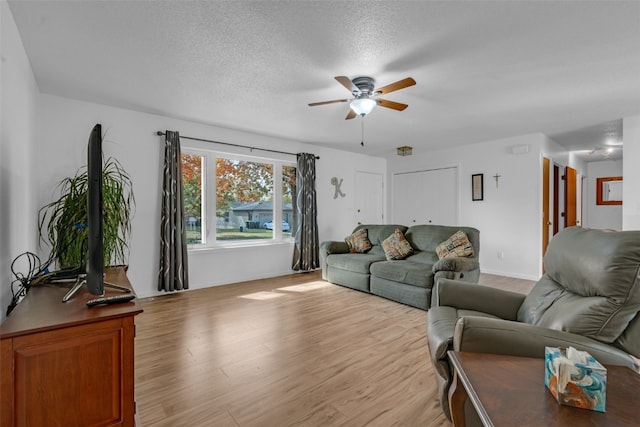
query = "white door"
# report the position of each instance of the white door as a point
(445, 202)
(408, 201)
(426, 197)
(369, 198)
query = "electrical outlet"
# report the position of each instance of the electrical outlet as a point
(500, 255)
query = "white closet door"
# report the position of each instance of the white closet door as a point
(426, 197)
(446, 208)
(406, 203)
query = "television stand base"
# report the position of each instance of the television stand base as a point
(82, 280)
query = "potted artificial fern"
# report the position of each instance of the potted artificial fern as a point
(63, 223)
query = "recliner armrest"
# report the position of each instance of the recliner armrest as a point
(455, 264)
(486, 335)
(467, 296)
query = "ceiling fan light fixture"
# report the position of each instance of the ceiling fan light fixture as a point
(363, 106)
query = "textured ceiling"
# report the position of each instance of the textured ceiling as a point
(484, 70)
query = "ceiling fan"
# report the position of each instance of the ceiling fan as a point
(365, 95)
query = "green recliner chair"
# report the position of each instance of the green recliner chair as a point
(589, 299)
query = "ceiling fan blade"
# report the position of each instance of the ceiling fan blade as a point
(313, 104)
(347, 83)
(392, 104)
(351, 115)
(400, 84)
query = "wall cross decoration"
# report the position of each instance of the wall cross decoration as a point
(496, 177)
(337, 184)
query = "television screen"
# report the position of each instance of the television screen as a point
(95, 263)
(94, 266)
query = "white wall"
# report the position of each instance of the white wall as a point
(130, 137)
(602, 216)
(630, 162)
(18, 171)
(509, 216)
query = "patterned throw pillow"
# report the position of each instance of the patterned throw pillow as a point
(456, 245)
(396, 246)
(358, 242)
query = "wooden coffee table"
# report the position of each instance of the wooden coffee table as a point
(510, 391)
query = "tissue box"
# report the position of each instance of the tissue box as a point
(575, 378)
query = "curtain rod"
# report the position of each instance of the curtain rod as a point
(160, 133)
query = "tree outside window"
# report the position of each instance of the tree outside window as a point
(243, 191)
(192, 166)
(242, 187)
(289, 197)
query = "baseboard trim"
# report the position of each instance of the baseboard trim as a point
(510, 274)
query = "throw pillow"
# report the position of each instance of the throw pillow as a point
(456, 245)
(358, 242)
(396, 246)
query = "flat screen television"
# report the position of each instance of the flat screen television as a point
(93, 269)
(95, 252)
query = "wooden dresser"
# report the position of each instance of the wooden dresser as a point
(66, 364)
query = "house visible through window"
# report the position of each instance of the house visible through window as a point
(232, 198)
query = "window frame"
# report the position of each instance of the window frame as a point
(208, 195)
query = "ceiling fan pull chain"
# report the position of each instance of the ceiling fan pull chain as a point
(362, 126)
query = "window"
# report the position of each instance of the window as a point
(232, 198)
(289, 193)
(192, 166)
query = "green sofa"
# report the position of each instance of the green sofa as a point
(408, 281)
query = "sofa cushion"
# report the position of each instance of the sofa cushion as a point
(358, 242)
(457, 245)
(378, 232)
(423, 257)
(426, 237)
(396, 246)
(410, 273)
(358, 263)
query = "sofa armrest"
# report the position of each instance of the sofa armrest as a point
(468, 296)
(455, 264)
(486, 335)
(327, 248)
(334, 247)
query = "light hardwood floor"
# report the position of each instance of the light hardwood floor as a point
(287, 351)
